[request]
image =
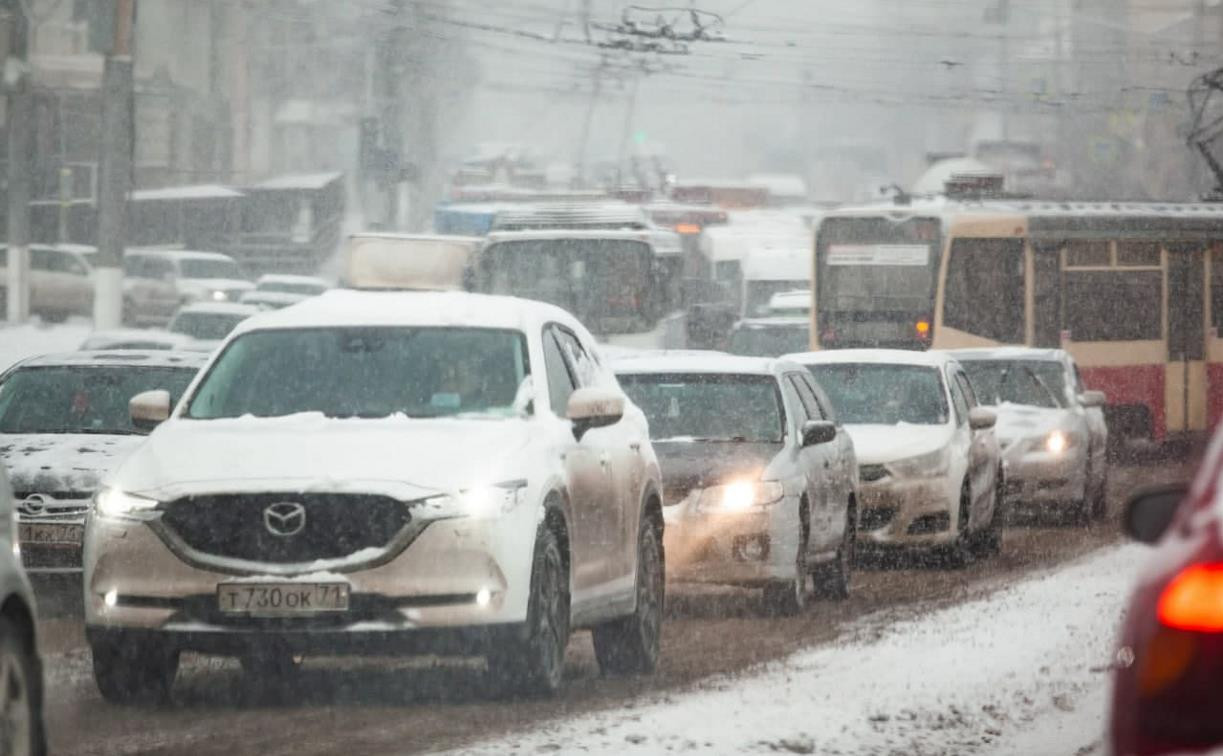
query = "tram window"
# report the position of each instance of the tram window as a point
(1113, 306)
(1137, 255)
(984, 290)
(1087, 254)
(1216, 289)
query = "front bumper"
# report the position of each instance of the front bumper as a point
(1042, 479)
(905, 512)
(454, 574)
(752, 547)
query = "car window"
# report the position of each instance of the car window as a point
(134, 266)
(584, 368)
(803, 414)
(966, 387)
(560, 382)
(961, 404)
(810, 404)
(710, 407)
(821, 398)
(41, 259)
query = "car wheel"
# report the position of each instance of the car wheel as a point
(129, 672)
(1099, 503)
(832, 580)
(959, 554)
(990, 542)
(789, 597)
(21, 726)
(54, 316)
(630, 646)
(531, 658)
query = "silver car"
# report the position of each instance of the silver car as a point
(760, 481)
(20, 666)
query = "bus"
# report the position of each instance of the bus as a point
(1134, 291)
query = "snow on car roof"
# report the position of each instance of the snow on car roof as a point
(1009, 353)
(299, 181)
(221, 308)
(694, 362)
(160, 358)
(184, 254)
(775, 321)
(195, 191)
(777, 264)
(349, 307)
(288, 279)
(641, 235)
(872, 356)
(795, 298)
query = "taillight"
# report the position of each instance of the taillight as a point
(922, 328)
(1194, 600)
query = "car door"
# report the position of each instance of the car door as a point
(842, 469)
(984, 456)
(812, 461)
(598, 515)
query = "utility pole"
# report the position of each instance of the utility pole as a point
(20, 116)
(116, 170)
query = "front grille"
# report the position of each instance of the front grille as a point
(938, 522)
(873, 518)
(871, 473)
(336, 525)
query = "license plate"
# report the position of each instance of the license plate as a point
(281, 599)
(50, 533)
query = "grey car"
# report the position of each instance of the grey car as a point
(760, 481)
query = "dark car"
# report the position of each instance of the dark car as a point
(759, 480)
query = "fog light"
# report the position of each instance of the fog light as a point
(483, 596)
(111, 598)
(751, 548)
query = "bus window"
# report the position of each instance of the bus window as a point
(984, 291)
(1216, 288)
(1138, 255)
(1120, 305)
(1088, 254)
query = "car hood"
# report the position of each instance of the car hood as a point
(880, 444)
(1019, 422)
(698, 464)
(399, 457)
(62, 462)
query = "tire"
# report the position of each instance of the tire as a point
(22, 732)
(630, 646)
(789, 597)
(990, 541)
(129, 672)
(832, 580)
(1099, 503)
(958, 554)
(56, 316)
(530, 659)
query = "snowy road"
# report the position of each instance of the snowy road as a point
(1016, 670)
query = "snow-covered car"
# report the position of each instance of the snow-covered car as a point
(929, 467)
(64, 424)
(383, 472)
(197, 276)
(208, 323)
(21, 676)
(274, 291)
(770, 336)
(61, 280)
(791, 304)
(759, 480)
(1050, 428)
(135, 338)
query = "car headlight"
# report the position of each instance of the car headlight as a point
(219, 296)
(740, 495)
(931, 465)
(1056, 442)
(479, 502)
(111, 502)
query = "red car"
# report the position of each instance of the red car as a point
(1168, 688)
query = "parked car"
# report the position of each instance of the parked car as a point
(275, 291)
(1051, 429)
(759, 480)
(1166, 693)
(930, 469)
(208, 323)
(197, 276)
(791, 304)
(383, 472)
(151, 291)
(20, 665)
(61, 281)
(64, 425)
(770, 336)
(135, 338)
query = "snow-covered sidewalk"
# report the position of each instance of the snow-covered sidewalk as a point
(1018, 670)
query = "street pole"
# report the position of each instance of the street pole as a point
(20, 115)
(116, 172)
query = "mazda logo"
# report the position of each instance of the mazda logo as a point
(285, 518)
(34, 504)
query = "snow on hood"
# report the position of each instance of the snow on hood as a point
(879, 444)
(397, 456)
(1017, 422)
(50, 462)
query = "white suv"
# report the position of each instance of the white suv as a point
(383, 472)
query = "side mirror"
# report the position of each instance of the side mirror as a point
(816, 432)
(1149, 513)
(149, 409)
(980, 418)
(1093, 399)
(593, 407)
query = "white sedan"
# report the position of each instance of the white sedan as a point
(929, 467)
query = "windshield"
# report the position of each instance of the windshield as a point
(206, 326)
(92, 399)
(744, 408)
(872, 394)
(290, 287)
(366, 372)
(193, 267)
(877, 265)
(607, 283)
(770, 341)
(1033, 382)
